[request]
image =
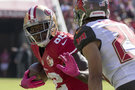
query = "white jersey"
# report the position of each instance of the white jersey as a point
(117, 50)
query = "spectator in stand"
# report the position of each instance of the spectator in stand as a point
(133, 9)
(121, 10)
(133, 4)
(12, 69)
(4, 62)
(67, 9)
(23, 59)
(129, 9)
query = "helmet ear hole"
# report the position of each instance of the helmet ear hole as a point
(53, 32)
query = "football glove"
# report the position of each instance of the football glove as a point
(70, 67)
(29, 83)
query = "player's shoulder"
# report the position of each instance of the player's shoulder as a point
(109, 22)
(62, 38)
(62, 42)
(64, 33)
(84, 35)
(85, 29)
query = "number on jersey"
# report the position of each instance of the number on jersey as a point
(124, 33)
(59, 38)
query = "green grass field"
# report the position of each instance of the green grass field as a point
(13, 84)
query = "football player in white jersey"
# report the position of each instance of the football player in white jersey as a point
(109, 46)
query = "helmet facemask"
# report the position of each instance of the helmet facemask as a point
(40, 33)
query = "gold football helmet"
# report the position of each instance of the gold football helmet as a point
(40, 25)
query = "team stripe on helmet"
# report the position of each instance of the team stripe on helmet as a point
(32, 12)
(29, 13)
(35, 11)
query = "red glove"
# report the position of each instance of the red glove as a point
(29, 83)
(70, 67)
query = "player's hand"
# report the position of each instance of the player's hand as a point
(70, 67)
(29, 83)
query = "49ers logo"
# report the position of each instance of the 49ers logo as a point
(49, 61)
(47, 12)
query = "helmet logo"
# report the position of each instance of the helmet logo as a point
(80, 5)
(47, 12)
(101, 4)
(97, 13)
(49, 61)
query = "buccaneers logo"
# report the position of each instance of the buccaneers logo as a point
(79, 5)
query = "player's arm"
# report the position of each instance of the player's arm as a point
(82, 65)
(91, 52)
(28, 82)
(83, 76)
(71, 68)
(37, 63)
(85, 40)
(36, 69)
(30, 78)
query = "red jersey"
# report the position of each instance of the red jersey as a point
(62, 42)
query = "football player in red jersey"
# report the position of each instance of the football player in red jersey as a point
(50, 47)
(108, 46)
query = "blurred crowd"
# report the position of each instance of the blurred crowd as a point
(67, 9)
(121, 10)
(15, 61)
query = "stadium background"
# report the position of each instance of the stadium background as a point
(12, 36)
